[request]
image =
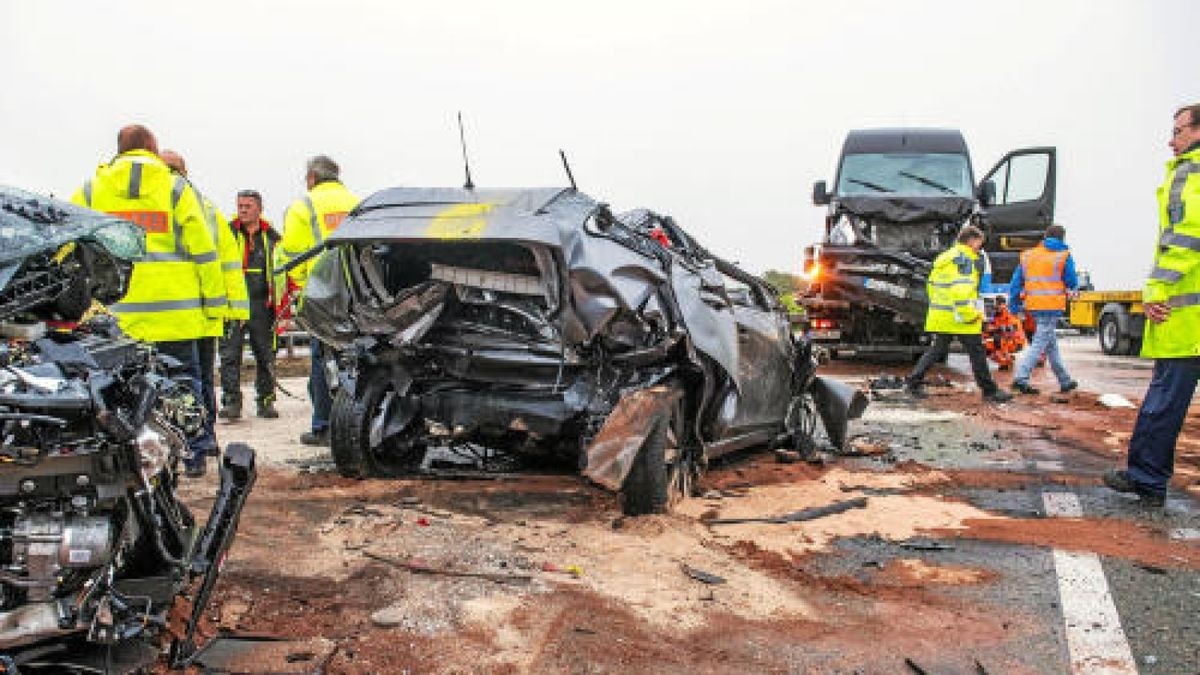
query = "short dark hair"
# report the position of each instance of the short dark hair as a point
(252, 194)
(1193, 110)
(969, 233)
(1056, 232)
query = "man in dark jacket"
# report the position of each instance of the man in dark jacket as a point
(257, 242)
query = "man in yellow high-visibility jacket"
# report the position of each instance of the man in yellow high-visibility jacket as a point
(237, 305)
(176, 290)
(956, 312)
(1171, 299)
(306, 224)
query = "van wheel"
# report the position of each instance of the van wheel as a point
(358, 424)
(664, 472)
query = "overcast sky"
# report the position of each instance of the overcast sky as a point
(719, 113)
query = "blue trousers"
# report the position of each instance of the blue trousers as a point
(1159, 421)
(318, 387)
(1045, 340)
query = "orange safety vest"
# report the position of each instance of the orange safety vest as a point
(1044, 287)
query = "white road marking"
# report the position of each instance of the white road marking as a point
(1095, 640)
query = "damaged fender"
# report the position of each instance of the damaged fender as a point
(837, 404)
(612, 452)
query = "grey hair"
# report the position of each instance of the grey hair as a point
(323, 168)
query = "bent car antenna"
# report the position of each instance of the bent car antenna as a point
(567, 168)
(462, 139)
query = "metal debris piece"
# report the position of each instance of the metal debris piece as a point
(924, 545)
(798, 516)
(912, 665)
(421, 567)
(701, 575)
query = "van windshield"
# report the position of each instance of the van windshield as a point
(922, 174)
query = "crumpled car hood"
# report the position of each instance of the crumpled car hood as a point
(32, 225)
(909, 209)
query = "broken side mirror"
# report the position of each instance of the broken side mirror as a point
(986, 193)
(820, 193)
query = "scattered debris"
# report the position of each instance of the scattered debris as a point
(421, 567)
(573, 570)
(804, 514)
(865, 446)
(701, 575)
(1152, 569)
(388, 617)
(925, 545)
(884, 382)
(1115, 401)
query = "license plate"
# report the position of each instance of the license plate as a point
(832, 334)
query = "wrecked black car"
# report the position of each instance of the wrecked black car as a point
(537, 324)
(95, 547)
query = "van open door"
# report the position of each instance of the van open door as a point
(1017, 195)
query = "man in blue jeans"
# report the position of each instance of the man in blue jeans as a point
(1040, 285)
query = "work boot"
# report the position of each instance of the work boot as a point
(230, 413)
(915, 389)
(196, 470)
(268, 411)
(319, 438)
(1023, 388)
(1119, 480)
(998, 396)
(1069, 387)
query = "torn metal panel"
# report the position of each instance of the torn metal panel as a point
(612, 452)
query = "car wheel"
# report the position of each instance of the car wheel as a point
(801, 424)
(664, 472)
(357, 422)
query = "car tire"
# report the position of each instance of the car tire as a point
(350, 429)
(1113, 341)
(663, 473)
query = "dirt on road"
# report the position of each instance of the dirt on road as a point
(543, 574)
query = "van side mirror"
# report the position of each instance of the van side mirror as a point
(986, 193)
(820, 194)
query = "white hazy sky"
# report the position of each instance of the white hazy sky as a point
(719, 113)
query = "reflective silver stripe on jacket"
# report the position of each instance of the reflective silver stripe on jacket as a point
(87, 193)
(1185, 300)
(216, 301)
(944, 308)
(135, 180)
(1168, 275)
(231, 265)
(1175, 206)
(240, 304)
(312, 217)
(951, 284)
(1044, 291)
(159, 306)
(1044, 280)
(1180, 240)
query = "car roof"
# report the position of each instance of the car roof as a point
(534, 214)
